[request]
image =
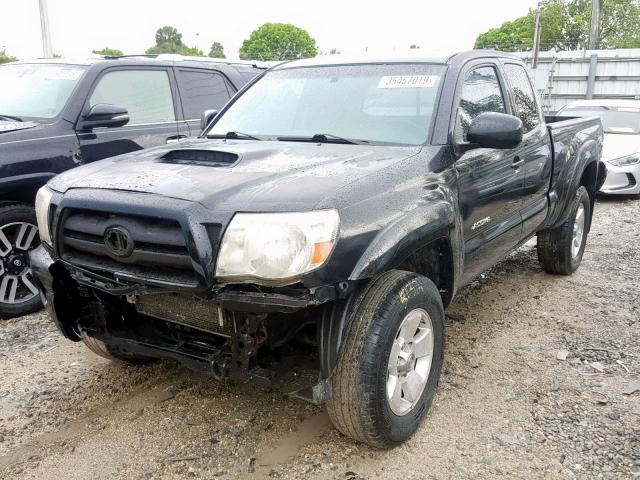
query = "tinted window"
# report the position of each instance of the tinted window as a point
(201, 90)
(480, 93)
(146, 94)
(523, 95)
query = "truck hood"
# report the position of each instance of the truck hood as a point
(231, 174)
(12, 126)
(619, 145)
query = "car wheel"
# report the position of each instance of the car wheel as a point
(390, 360)
(19, 291)
(111, 352)
(560, 249)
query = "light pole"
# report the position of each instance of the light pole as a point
(47, 51)
(594, 33)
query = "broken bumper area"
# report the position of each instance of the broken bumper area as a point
(241, 334)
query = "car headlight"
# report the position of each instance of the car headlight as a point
(43, 202)
(626, 161)
(276, 246)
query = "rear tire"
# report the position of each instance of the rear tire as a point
(19, 290)
(111, 352)
(560, 251)
(364, 404)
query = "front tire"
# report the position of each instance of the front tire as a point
(390, 360)
(19, 291)
(560, 249)
(110, 352)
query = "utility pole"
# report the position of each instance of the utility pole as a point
(594, 33)
(47, 51)
(536, 38)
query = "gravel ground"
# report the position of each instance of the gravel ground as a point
(538, 382)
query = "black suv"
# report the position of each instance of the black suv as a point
(58, 114)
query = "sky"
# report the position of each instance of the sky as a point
(79, 26)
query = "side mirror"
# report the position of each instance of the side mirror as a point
(495, 130)
(104, 115)
(207, 117)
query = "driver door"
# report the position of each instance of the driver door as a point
(490, 180)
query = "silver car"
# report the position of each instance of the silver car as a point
(621, 122)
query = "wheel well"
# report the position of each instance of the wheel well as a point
(589, 180)
(434, 261)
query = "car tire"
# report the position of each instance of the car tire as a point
(363, 406)
(560, 249)
(111, 352)
(18, 229)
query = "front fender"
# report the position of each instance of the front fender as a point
(398, 240)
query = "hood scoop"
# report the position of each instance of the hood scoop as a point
(206, 158)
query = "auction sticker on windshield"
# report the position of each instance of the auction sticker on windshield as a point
(409, 81)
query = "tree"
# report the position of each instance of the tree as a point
(5, 58)
(565, 26)
(278, 41)
(169, 40)
(217, 50)
(108, 52)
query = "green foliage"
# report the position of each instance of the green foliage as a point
(109, 52)
(413, 46)
(169, 40)
(278, 41)
(4, 58)
(565, 25)
(217, 50)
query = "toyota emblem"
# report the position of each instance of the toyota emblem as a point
(118, 241)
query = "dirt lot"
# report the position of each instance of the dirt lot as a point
(510, 403)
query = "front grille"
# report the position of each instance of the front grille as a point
(192, 312)
(155, 248)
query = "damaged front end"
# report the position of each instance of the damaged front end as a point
(238, 332)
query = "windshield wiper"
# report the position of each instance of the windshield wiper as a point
(324, 138)
(235, 136)
(11, 117)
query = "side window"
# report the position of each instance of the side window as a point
(146, 94)
(480, 93)
(524, 96)
(201, 90)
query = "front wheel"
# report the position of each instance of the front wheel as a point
(390, 360)
(560, 249)
(19, 293)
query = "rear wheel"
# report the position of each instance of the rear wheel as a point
(390, 360)
(19, 292)
(560, 249)
(111, 352)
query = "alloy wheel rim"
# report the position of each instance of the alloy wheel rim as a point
(578, 232)
(16, 278)
(409, 362)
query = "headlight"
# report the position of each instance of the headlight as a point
(626, 161)
(43, 201)
(276, 246)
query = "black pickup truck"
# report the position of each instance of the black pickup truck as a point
(56, 114)
(330, 212)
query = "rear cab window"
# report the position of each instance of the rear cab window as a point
(524, 97)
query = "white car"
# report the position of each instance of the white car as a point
(621, 122)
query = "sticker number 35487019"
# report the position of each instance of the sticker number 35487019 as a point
(408, 81)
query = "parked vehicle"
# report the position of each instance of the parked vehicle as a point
(621, 152)
(58, 114)
(330, 211)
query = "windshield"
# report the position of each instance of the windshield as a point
(36, 91)
(614, 119)
(385, 104)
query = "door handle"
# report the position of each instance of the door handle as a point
(175, 138)
(517, 162)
